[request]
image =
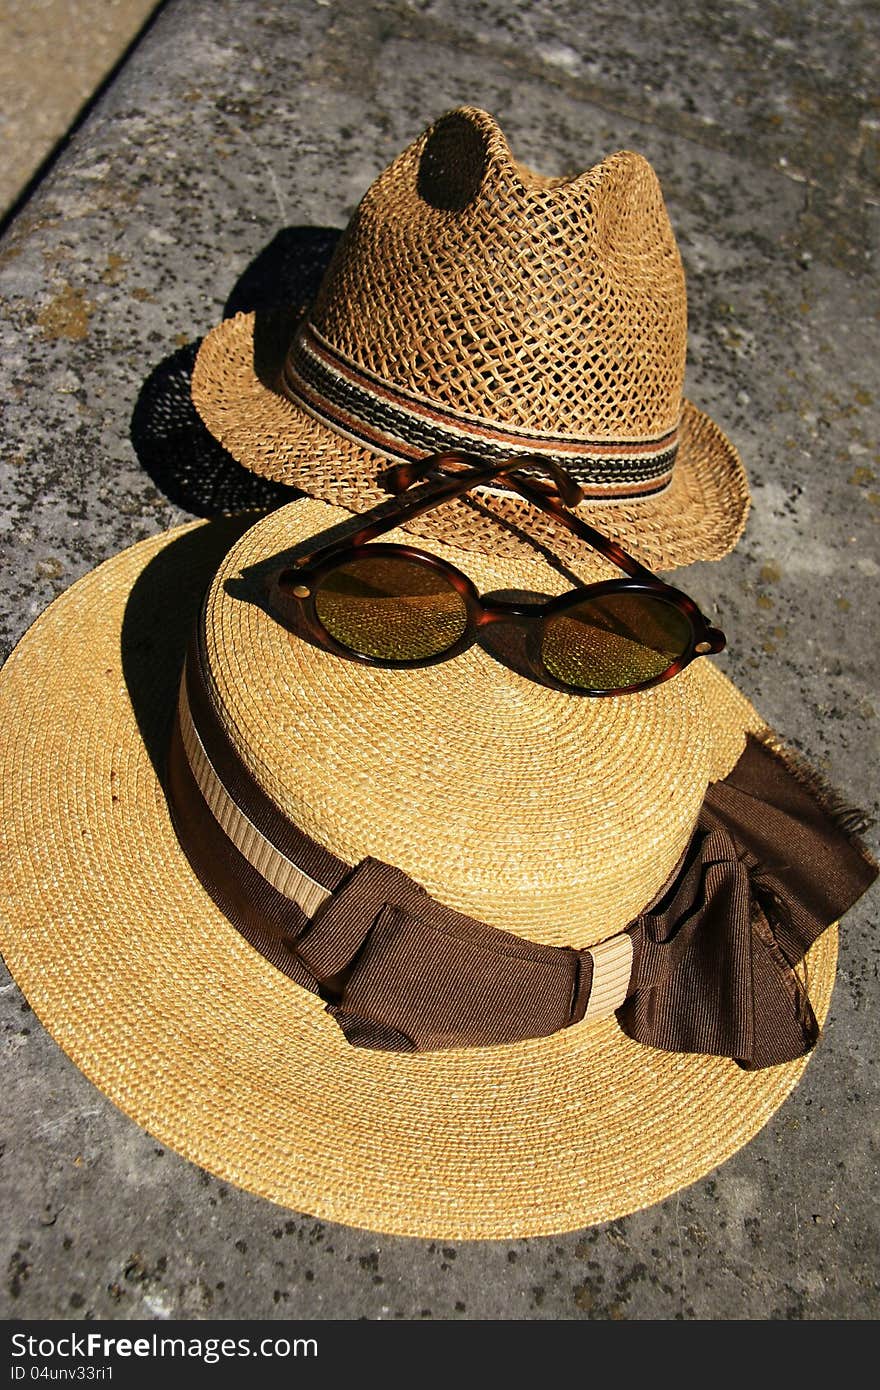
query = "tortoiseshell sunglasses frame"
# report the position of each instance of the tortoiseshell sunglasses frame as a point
(301, 581)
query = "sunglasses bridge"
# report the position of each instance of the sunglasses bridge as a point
(496, 610)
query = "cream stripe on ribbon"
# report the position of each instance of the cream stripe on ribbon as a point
(612, 959)
(612, 967)
(285, 876)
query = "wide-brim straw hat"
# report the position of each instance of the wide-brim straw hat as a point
(555, 818)
(474, 303)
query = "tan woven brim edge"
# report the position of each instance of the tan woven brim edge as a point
(166, 1009)
(700, 516)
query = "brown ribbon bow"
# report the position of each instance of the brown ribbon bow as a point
(713, 969)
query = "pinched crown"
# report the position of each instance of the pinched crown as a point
(535, 303)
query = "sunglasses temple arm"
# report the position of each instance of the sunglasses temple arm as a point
(570, 493)
(477, 471)
(408, 508)
(603, 544)
(616, 553)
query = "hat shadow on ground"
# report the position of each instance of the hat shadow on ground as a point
(159, 621)
(173, 446)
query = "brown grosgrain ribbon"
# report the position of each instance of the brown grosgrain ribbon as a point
(707, 967)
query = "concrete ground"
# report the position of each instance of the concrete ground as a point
(234, 120)
(53, 54)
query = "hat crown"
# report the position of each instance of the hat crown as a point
(554, 817)
(543, 303)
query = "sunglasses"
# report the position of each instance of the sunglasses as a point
(398, 607)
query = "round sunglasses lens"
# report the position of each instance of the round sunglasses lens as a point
(391, 608)
(616, 641)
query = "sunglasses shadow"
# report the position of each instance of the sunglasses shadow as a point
(515, 645)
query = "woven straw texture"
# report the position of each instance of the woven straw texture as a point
(551, 304)
(163, 1005)
(553, 816)
(532, 303)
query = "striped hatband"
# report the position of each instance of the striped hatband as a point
(402, 424)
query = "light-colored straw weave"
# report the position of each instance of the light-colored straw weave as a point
(549, 815)
(165, 1007)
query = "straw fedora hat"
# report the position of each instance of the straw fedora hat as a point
(545, 823)
(473, 303)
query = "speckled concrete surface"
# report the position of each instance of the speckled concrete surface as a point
(235, 120)
(53, 55)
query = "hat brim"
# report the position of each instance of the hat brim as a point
(163, 1005)
(699, 516)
